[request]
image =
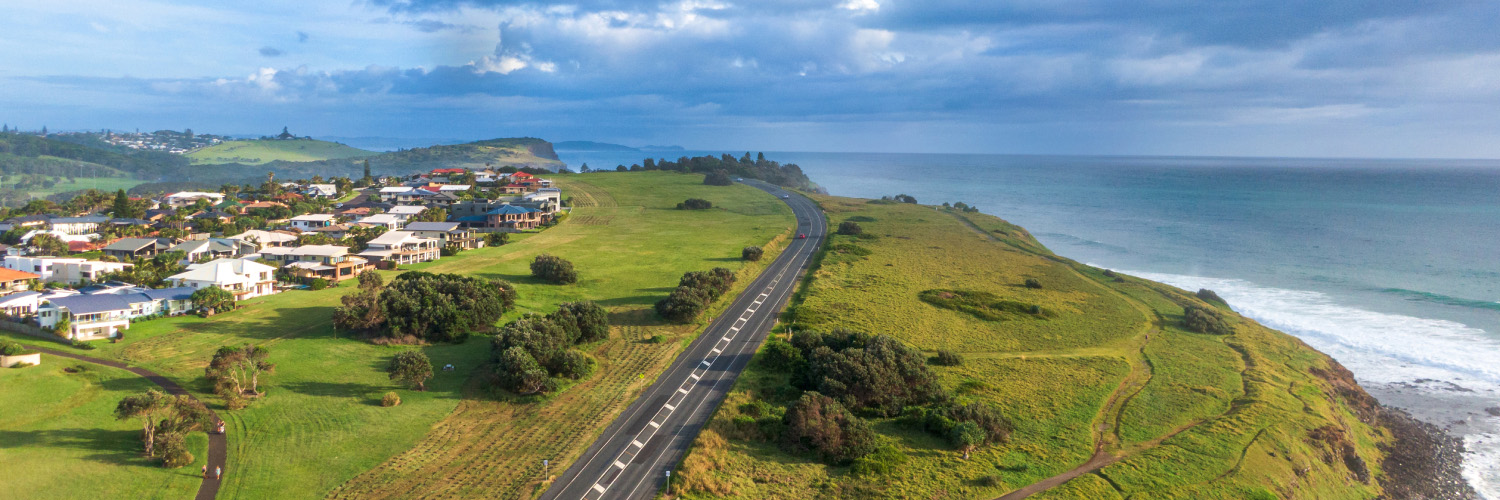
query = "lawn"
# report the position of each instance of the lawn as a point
(1086, 359)
(59, 437)
(320, 428)
(266, 151)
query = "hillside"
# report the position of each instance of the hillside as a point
(1102, 384)
(256, 152)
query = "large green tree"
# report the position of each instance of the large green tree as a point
(443, 307)
(411, 368)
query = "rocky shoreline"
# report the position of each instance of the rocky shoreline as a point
(1422, 462)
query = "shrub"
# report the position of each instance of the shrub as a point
(782, 356)
(411, 368)
(947, 358)
(695, 204)
(820, 424)
(1109, 273)
(752, 253)
(79, 344)
(1210, 297)
(390, 399)
(553, 269)
(518, 371)
(497, 239)
(8, 348)
(966, 436)
(657, 339)
(1033, 283)
(212, 300)
(583, 321)
(989, 481)
(693, 294)
(1203, 320)
(318, 284)
(884, 375)
(443, 307)
(174, 452)
(572, 364)
(718, 178)
(883, 461)
(850, 228)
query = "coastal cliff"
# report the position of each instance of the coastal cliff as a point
(1110, 386)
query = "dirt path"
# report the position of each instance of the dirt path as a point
(217, 445)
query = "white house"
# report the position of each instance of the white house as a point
(310, 222)
(453, 188)
(264, 239)
(389, 193)
(402, 247)
(406, 212)
(551, 196)
(41, 266)
(78, 225)
(321, 190)
(88, 270)
(185, 198)
(388, 221)
(244, 278)
(89, 316)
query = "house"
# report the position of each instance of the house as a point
(449, 234)
(212, 214)
(454, 188)
(321, 191)
(10, 250)
(387, 221)
(88, 271)
(551, 197)
(21, 304)
(78, 225)
(406, 212)
(13, 281)
(262, 204)
(513, 218)
(26, 221)
(264, 239)
(415, 196)
(242, 277)
(336, 231)
(448, 171)
(330, 262)
(396, 248)
(310, 222)
(443, 199)
(388, 194)
(158, 214)
(355, 212)
(164, 301)
(185, 198)
(40, 266)
(514, 188)
(213, 248)
(90, 316)
(122, 222)
(137, 248)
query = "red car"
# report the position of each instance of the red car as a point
(801, 236)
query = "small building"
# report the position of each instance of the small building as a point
(13, 281)
(401, 247)
(26, 221)
(78, 225)
(406, 212)
(321, 191)
(330, 262)
(185, 198)
(21, 304)
(137, 248)
(449, 234)
(310, 222)
(213, 248)
(90, 317)
(39, 265)
(388, 221)
(88, 271)
(242, 277)
(265, 239)
(513, 218)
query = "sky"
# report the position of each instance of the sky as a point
(1386, 78)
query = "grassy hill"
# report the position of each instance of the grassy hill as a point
(514, 152)
(1088, 367)
(258, 152)
(320, 430)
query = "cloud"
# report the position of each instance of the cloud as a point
(302, 37)
(270, 52)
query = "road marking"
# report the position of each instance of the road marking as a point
(598, 488)
(637, 444)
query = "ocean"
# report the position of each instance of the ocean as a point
(1390, 266)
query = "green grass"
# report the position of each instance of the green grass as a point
(106, 184)
(59, 438)
(265, 151)
(1187, 415)
(320, 427)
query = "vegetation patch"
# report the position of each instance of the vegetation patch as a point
(983, 305)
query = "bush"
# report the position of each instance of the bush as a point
(947, 358)
(657, 339)
(8, 348)
(820, 424)
(583, 321)
(1203, 320)
(751, 254)
(443, 307)
(318, 284)
(883, 375)
(174, 452)
(390, 399)
(212, 300)
(1033, 283)
(79, 344)
(411, 368)
(572, 364)
(695, 204)
(782, 356)
(884, 461)
(497, 239)
(718, 178)
(519, 372)
(693, 294)
(1210, 297)
(850, 228)
(553, 269)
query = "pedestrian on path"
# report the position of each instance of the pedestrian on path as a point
(218, 473)
(205, 471)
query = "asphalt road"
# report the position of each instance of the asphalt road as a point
(632, 457)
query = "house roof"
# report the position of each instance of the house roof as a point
(381, 219)
(125, 221)
(394, 238)
(471, 218)
(14, 275)
(511, 209)
(406, 210)
(222, 271)
(454, 187)
(395, 189)
(133, 244)
(432, 226)
(87, 219)
(448, 171)
(88, 304)
(317, 250)
(28, 218)
(265, 236)
(314, 217)
(178, 293)
(194, 194)
(25, 296)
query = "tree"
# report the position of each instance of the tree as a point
(150, 407)
(497, 239)
(751, 253)
(212, 300)
(695, 204)
(819, 423)
(411, 368)
(361, 311)
(367, 177)
(164, 420)
(431, 215)
(553, 269)
(1033, 283)
(582, 321)
(518, 371)
(123, 208)
(46, 244)
(718, 178)
(235, 371)
(443, 307)
(850, 228)
(878, 373)
(966, 436)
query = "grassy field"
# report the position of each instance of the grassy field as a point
(265, 151)
(320, 430)
(1100, 362)
(59, 437)
(106, 184)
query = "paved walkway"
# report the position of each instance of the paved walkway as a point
(216, 444)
